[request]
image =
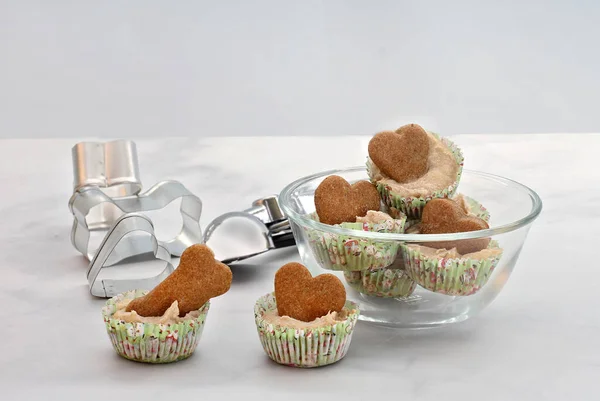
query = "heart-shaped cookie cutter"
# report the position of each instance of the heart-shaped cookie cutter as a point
(126, 224)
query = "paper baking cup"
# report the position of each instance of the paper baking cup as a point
(475, 208)
(352, 253)
(385, 283)
(152, 343)
(304, 348)
(412, 207)
(451, 276)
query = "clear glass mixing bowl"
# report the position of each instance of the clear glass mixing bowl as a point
(512, 208)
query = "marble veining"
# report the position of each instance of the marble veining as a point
(538, 339)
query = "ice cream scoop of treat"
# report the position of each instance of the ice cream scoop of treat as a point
(336, 201)
(198, 278)
(401, 154)
(442, 216)
(303, 297)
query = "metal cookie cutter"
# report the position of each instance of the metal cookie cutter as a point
(126, 224)
(103, 170)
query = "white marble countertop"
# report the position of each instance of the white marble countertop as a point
(538, 339)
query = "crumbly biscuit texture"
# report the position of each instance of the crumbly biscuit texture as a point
(402, 154)
(198, 278)
(306, 298)
(336, 201)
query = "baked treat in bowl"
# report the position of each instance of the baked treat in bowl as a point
(410, 166)
(355, 207)
(455, 267)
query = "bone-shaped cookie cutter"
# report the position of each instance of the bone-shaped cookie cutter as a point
(85, 199)
(101, 170)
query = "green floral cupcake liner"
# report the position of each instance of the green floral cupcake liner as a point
(450, 276)
(475, 208)
(304, 348)
(350, 253)
(386, 283)
(412, 207)
(148, 342)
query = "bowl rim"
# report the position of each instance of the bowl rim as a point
(304, 220)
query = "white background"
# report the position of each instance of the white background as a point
(205, 68)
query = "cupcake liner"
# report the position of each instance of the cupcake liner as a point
(304, 348)
(451, 276)
(352, 253)
(152, 343)
(475, 208)
(412, 207)
(385, 283)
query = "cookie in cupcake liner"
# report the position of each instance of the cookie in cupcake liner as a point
(149, 342)
(447, 272)
(412, 207)
(468, 204)
(389, 282)
(352, 253)
(308, 347)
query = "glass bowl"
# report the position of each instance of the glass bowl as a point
(418, 289)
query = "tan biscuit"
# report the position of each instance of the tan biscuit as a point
(336, 201)
(305, 298)
(442, 216)
(402, 154)
(198, 278)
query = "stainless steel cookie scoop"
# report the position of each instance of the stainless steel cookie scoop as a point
(237, 236)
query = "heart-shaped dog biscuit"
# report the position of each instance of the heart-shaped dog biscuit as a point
(442, 216)
(402, 154)
(305, 298)
(198, 278)
(336, 201)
